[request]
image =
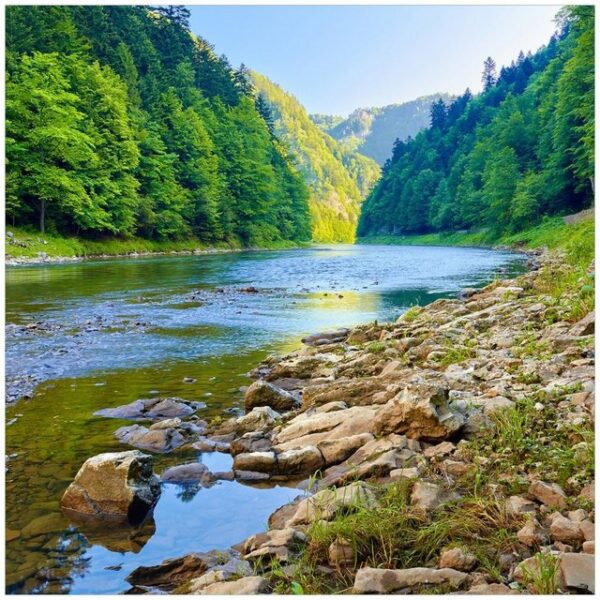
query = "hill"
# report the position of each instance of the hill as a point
(372, 131)
(339, 178)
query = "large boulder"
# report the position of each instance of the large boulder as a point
(116, 486)
(263, 393)
(420, 413)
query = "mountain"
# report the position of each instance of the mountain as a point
(372, 131)
(120, 122)
(339, 178)
(502, 160)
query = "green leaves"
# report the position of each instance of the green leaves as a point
(120, 122)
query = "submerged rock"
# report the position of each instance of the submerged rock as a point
(152, 408)
(116, 486)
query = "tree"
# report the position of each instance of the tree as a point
(489, 76)
(438, 114)
(178, 15)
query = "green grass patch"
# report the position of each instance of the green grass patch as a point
(27, 243)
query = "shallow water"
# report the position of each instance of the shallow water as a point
(113, 331)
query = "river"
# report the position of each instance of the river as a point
(96, 334)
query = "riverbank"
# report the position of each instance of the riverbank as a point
(452, 450)
(23, 247)
(555, 233)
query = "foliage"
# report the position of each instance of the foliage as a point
(120, 122)
(338, 178)
(500, 161)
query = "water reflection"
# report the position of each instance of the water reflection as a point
(127, 329)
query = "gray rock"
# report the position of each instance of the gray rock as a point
(263, 393)
(387, 581)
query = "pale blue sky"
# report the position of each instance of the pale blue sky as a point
(337, 58)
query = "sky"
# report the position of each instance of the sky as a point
(335, 59)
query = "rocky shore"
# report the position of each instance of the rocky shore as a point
(449, 451)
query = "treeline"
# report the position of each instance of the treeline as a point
(522, 149)
(338, 178)
(119, 121)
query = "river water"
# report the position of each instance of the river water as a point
(96, 334)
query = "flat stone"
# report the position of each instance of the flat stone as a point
(438, 450)
(550, 494)
(565, 530)
(491, 589)
(387, 581)
(577, 572)
(244, 586)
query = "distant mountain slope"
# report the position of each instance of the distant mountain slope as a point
(373, 131)
(338, 178)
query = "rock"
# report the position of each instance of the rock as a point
(205, 444)
(517, 505)
(189, 473)
(578, 515)
(259, 462)
(588, 530)
(550, 494)
(498, 403)
(253, 441)
(585, 326)
(457, 558)
(491, 589)
(421, 414)
(427, 496)
(326, 337)
(532, 534)
(589, 547)
(565, 530)
(341, 554)
(250, 476)
(587, 493)
(406, 473)
(263, 393)
(577, 572)
(387, 581)
(244, 586)
(455, 468)
(160, 440)
(117, 486)
(439, 450)
(336, 451)
(152, 408)
(258, 418)
(174, 571)
(299, 461)
(327, 503)
(232, 569)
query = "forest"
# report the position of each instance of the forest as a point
(120, 122)
(521, 150)
(339, 178)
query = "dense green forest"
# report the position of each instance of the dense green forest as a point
(339, 178)
(119, 122)
(521, 150)
(372, 131)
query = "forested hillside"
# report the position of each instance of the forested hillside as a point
(339, 178)
(373, 131)
(121, 122)
(522, 149)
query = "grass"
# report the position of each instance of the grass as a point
(542, 578)
(552, 233)
(27, 243)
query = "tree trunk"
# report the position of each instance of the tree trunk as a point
(43, 216)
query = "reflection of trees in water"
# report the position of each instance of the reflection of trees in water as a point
(187, 491)
(59, 559)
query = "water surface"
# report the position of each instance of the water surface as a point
(95, 334)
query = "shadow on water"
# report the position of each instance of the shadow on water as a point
(115, 331)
